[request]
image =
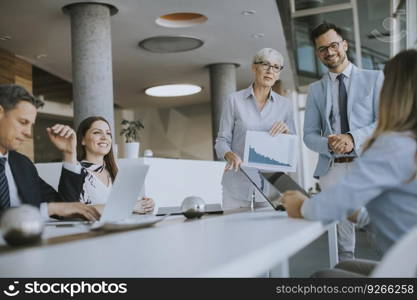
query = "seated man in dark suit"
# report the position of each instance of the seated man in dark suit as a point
(19, 179)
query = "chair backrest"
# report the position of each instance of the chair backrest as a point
(401, 258)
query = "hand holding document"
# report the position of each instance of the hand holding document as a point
(272, 153)
(279, 127)
(233, 161)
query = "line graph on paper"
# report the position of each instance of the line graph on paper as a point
(278, 153)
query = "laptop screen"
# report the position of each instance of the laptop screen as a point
(265, 188)
(283, 182)
(272, 185)
(125, 191)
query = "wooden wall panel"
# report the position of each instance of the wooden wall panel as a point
(7, 62)
(23, 70)
(17, 71)
(26, 83)
(23, 77)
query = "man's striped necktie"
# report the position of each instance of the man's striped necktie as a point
(4, 186)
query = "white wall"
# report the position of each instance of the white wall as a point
(181, 132)
(119, 115)
(168, 181)
(308, 159)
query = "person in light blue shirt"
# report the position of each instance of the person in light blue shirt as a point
(384, 178)
(254, 108)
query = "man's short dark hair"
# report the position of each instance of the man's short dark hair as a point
(12, 94)
(322, 29)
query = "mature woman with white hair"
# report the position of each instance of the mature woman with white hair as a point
(254, 108)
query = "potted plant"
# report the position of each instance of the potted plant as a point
(130, 132)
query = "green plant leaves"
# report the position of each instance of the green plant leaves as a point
(130, 130)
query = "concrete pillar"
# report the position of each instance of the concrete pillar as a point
(222, 84)
(92, 77)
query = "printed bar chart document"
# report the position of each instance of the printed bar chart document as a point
(271, 153)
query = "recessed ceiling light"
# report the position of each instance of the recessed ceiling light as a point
(173, 90)
(181, 20)
(4, 37)
(170, 44)
(249, 12)
(258, 35)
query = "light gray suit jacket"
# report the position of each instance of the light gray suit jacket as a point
(363, 99)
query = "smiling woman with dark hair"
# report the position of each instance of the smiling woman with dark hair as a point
(90, 168)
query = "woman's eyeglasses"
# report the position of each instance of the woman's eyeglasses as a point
(265, 66)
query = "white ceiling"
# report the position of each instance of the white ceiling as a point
(40, 27)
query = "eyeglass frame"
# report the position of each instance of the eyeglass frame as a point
(324, 49)
(266, 67)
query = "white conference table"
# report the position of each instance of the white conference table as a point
(240, 244)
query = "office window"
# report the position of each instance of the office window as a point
(367, 62)
(402, 19)
(309, 68)
(375, 32)
(306, 60)
(412, 31)
(400, 26)
(307, 4)
(363, 23)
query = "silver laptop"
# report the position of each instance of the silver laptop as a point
(117, 213)
(125, 192)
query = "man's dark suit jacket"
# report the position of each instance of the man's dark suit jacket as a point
(31, 188)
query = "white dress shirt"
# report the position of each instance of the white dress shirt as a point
(95, 191)
(15, 199)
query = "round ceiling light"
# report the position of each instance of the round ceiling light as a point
(173, 90)
(181, 20)
(170, 44)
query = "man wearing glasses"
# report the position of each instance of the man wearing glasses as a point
(254, 108)
(340, 115)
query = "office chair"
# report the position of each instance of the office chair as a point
(401, 258)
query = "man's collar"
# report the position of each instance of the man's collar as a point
(347, 72)
(5, 155)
